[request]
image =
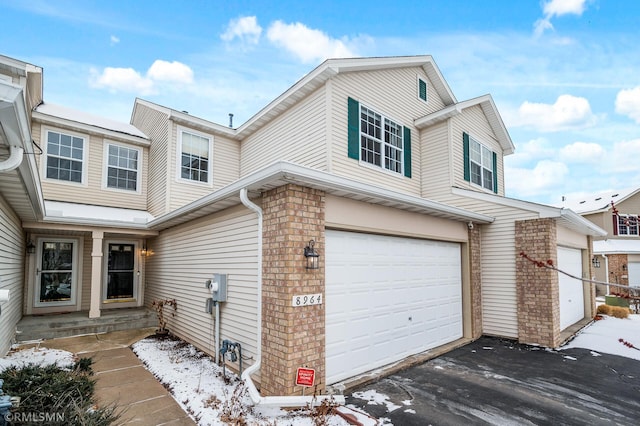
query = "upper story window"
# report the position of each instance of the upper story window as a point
(480, 165)
(122, 167)
(194, 151)
(65, 157)
(628, 224)
(377, 140)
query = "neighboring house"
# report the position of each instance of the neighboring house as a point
(616, 257)
(399, 185)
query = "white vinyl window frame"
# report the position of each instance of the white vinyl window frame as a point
(106, 166)
(181, 131)
(481, 165)
(381, 141)
(628, 225)
(49, 153)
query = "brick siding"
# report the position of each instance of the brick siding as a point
(292, 337)
(475, 268)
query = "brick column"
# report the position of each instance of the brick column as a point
(618, 272)
(537, 288)
(292, 337)
(475, 267)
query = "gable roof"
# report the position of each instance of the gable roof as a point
(488, 108)
(80, 119)
(616, 246)
(600, 202)
(313, 81)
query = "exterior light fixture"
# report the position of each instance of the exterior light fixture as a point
(312, 255)
(595, 262)
(31, 248)
(624, 266)
(144, 251)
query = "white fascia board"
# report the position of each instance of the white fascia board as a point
(438, 116)
(13, 105)
(88, 128)
(293, 173)
(544, 211)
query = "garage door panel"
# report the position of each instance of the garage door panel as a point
(374, 285)
(570, 290)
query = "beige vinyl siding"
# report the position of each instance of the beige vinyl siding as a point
(629, 206)
(498, 260)
(155, 125)
(93, 191)
(473, 121)
(604, 221)
(436, 161)
(570, 238)
(183, 257)
(12, 249)
(298, 135)
(392, 93)
(225, 168)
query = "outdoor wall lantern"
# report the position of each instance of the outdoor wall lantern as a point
(144, 251)
(312, 255)
(624, 266)
(596, 262)
(31, 248)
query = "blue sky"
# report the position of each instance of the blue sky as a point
(565, 74)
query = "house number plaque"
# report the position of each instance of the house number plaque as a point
(306, 300)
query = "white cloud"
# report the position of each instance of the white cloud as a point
(245, 28)
(307, 44)
(170, 71)
(130, 80)
(582, 152)
(555, 8)
(545, 177)
(114, 40)
(122, 80)
(628, 103)
(568, 112)
(624, 157)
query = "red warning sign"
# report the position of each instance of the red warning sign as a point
(305, 376)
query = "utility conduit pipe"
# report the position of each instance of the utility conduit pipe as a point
(274, 401)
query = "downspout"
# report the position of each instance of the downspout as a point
(14, 160)
(606, 270)
(274, 401)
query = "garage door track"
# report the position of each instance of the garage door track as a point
(495, 381)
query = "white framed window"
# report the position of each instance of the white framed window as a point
(195, 152)
(381, 141)
(56, 280)
(628, 224)
(481, 164)
(65, 157)
(122, 167)
(423, 93)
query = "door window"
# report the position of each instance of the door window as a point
(121, 271)
(56, 278)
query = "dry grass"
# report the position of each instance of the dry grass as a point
(619, 312)
(604, 309)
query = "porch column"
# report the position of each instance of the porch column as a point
(96, 274)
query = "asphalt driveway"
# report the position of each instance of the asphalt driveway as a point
(495, 381)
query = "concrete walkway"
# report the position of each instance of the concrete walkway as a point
(122, 379)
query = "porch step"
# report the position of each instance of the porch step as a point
(77, 323)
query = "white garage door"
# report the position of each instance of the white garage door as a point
(634, 274)
(387, 298)
(571, 290)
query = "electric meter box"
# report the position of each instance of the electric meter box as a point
(219, 287)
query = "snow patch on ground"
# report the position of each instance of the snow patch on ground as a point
(375, 398)
(603, 336)
(38, 356)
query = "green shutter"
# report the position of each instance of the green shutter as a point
(407, 152)
(495, 173)
(353, 134)
(422, 89)
(465, 147)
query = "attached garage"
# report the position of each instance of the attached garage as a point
(571, 290)
(388, 298)
(634, 274)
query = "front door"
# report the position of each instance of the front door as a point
(57, 272)
(121, 272)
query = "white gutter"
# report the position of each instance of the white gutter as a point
(606, 270)
(272, 401)
(14, 160)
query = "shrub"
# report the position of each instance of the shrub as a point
(619, 312)
(604, 309)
